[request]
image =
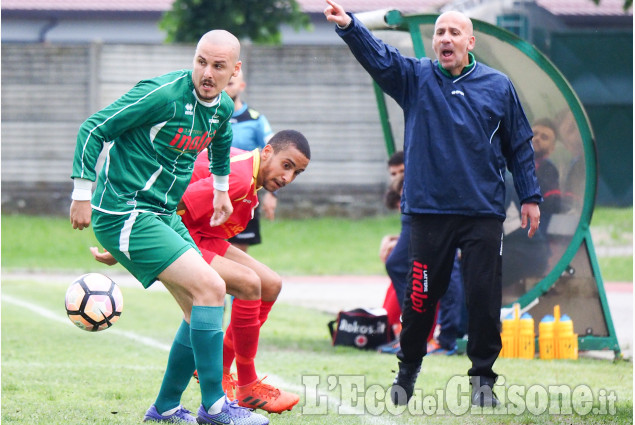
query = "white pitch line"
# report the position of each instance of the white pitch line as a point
(36, 309)
(333, 401)
(51, 315)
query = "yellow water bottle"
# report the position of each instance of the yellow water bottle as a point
(546, 337)
(567, 341)
(509, 334)
(526, 337)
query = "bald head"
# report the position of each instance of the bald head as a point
(220, 38)
(457, 17)
(216, 61)
(453, 40)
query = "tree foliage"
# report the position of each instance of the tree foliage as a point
(258, 20)
(627, 4)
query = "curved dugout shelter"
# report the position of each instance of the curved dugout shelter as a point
(558, 266)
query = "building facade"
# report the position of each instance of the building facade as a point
(64, 59)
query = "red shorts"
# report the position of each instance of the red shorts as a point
(211, 247)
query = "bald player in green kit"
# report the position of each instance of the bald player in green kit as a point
(152, 136)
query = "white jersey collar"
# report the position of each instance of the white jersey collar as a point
(207, 104)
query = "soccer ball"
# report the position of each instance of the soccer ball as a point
(94, 302)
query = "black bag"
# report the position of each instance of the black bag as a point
(360, 328)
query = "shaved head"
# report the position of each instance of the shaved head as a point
(220, 38)
(457, 16)
(216, 61)
(453, 40)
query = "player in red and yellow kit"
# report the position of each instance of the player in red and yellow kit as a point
(254, 285)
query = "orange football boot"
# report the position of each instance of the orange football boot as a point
(259, 395)
(229, 385)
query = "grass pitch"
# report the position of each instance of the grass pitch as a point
(54, 373)
(290, 247)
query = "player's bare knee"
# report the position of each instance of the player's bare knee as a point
(271, 286)
(244, 285)
(209, 290)
(253, 287)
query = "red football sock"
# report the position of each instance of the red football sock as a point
(228, 342)
(265, 308)
(228, 349)
(245, 330)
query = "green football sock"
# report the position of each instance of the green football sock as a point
(178, 372)
(206, 334)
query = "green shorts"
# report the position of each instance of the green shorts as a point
(144, 243)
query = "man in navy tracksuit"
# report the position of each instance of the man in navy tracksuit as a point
(463, 126)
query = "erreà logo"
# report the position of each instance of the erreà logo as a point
(185, 142)
(189, 109)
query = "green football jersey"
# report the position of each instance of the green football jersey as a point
(152, 136)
